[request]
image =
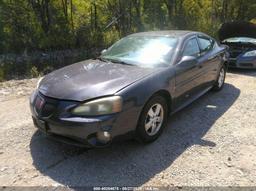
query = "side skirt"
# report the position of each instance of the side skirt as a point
(191, 100)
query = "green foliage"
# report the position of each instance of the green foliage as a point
(53, 25)
(34, 72)
(1, 74)
(30, 25)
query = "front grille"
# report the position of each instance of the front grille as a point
(39, 102)
(45, 106)
(235, 54)
(232, 63)
(247, 64)
(48, 109)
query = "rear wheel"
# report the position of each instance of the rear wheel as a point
(153, 119)
(221, 79)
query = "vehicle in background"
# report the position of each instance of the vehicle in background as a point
(241, 40)
(130, 89)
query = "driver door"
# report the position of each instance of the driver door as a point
(188, 75)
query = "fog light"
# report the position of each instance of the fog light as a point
(103, 136)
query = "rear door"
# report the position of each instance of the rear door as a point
(208, 60)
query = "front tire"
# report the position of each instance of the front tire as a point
(153, 119)
(220, 80)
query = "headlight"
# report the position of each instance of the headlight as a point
(38, 82)
(251, 53)
(102, 106)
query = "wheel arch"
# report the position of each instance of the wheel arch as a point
(166, 95)
(225, 64)
(140, 133)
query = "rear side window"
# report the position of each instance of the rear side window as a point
(191, 48)
(205, 44)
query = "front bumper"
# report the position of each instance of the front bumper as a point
(75, 133)
(58, 124)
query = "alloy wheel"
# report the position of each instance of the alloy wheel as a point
(154, 119)
(221, 77)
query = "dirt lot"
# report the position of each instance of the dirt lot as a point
(211, 142)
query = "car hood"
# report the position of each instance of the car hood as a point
(90, 79)
(237, 29)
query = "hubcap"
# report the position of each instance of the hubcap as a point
(154, 119)
(221, 78)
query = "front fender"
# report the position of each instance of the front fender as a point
(137, 94)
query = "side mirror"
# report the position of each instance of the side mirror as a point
(103, 51)
(188, 58)
(188, 61)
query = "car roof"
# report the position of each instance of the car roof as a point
(174, 33)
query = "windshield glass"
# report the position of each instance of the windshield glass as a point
(142, 50)
(241, 39)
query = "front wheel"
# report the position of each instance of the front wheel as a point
(221, 79)
(153, 119)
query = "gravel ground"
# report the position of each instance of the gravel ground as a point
(209, 143)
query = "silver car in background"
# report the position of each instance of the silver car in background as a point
(240, 37)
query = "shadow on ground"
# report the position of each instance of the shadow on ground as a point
(131, 163)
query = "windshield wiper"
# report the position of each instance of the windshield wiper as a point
(102, 59)
(121, 62)
(114, 61)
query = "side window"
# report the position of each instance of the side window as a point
(205, 44)
(191, 48)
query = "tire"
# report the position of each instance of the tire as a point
(220, 80)
(151, 122)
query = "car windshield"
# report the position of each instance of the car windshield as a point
(142, 50)
(241, 40)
